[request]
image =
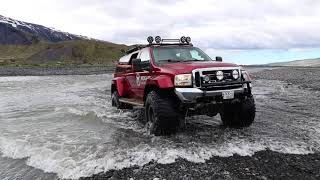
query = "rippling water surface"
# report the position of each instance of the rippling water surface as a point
(64, 127)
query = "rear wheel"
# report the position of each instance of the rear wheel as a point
(240, 114)
(115, 102)
(161, 114)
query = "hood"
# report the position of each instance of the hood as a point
(187, 67)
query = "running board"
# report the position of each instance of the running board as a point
(134, 102)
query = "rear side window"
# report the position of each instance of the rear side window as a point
(124, 60)
(124, 64)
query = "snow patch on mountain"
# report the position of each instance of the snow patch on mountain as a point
(39, 31)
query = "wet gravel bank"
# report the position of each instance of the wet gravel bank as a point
(43, 71)
(262, 165)
(304, 77)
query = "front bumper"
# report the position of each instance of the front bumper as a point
(195, 95)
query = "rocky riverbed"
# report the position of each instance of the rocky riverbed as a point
(262, 165)
(44, 71)
(302, 76)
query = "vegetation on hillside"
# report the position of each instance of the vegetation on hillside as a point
(76, 52)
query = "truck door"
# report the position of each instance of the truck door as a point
(142, 77)
(131, 77)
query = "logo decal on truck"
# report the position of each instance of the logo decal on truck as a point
(141, 80)
(138, 79)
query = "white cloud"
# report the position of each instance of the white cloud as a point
(212, 24)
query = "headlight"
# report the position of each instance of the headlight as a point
(235, 74)
(183, 80)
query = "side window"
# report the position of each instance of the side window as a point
(145, 55)
(145, 59)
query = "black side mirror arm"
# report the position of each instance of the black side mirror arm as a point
(136, 64)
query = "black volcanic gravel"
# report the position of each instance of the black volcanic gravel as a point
(262, 165)
(43, 71)
(304, 77)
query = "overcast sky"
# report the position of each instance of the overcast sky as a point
(242, 31)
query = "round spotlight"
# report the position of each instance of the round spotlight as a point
(235, 74)
(206, 78)
(150, 39)
(183, 39)
(157, 39)
(219, 75)
(188, 40)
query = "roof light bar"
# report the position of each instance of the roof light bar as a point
(170, 40)
(159, 40)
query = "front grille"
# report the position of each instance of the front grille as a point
(227, 75)
(215, 84)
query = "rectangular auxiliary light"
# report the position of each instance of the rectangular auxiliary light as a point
(170, 40)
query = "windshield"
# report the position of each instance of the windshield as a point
(179, 54)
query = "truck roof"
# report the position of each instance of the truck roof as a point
(138, 47)
(183, 41)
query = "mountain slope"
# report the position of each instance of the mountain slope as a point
(301, 63)
(22, 33)
(75, 52)
(25, 44)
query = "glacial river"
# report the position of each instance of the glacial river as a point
(64, 127)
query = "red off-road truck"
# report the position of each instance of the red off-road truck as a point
(172, 79)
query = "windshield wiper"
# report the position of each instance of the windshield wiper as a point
(197, 60)
(171, 60)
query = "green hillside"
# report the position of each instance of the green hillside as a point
(75, 52)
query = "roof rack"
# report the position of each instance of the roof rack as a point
(136, 48)
(183, 41)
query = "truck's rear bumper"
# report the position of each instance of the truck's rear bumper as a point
(194, 95)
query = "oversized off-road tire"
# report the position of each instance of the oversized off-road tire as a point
(161, 114)
(239, 114)
(116, 103)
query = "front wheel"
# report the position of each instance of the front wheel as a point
(240, 114)
(161, 114)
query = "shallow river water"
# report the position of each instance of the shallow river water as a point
(64, 127)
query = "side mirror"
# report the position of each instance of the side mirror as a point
(219, 59)
(136, 64)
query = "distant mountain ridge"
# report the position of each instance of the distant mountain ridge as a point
(14, 32)
(299, 63)
(28, 44)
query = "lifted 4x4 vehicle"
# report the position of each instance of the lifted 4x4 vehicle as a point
(172, 79)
